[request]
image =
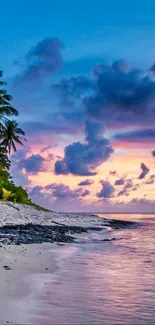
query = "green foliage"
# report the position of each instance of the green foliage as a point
(6, 194)
(10, 135)
(10, 192)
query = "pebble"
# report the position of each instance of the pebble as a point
(6, 267)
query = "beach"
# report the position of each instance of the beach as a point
(22, 264)
(85, 277)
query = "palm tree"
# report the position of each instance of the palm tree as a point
(11, 134)
(5, 108)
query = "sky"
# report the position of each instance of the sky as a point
(83, 79)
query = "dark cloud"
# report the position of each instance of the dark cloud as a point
(106, 191)
(121, 94)
(71, 90)
(153, 153)
(86, 182)
(43, 60)
(33, 164)
(136, 136)
(119, 181)
(94, 130)
(83, 158)
(145, 171)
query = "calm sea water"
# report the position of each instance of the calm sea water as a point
(107, 282)
(101, 282)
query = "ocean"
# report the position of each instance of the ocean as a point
(110, 282)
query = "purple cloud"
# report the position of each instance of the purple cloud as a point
(119, 181)
(43, 60)
(86, 182)
(83, 159)
(151, 180)
(120, 90)
(145, 171)
(136, 136)
(153, 153)
(128, 187)
(106, 191)
(61, 191)
(85, 193)
(71, 90)
(33, 164)
(56, 123)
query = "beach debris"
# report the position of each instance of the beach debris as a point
(6, 267)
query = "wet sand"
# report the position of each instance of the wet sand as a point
(23, 271)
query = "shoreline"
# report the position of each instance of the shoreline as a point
(25, 264)
(32, 247)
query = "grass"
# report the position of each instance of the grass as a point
(39, 207)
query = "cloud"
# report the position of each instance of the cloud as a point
(145, 171)
(43, 60)
(106, 191)
(83, 158)
(85, 193)
(55, 123)
(151, 180)
(121, 95)
(142, 201)
(36, 191)
(19, 176)
(86, 182)
(143, 135)
(71, 90)
(112, 173)
(128, 187)
(153, 153)
(61, 191)
(123, 192)
(53, 194)
(33, 164)
(119, 181)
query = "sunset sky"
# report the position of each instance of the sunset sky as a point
(82, 75)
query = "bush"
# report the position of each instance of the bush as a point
(10, 192)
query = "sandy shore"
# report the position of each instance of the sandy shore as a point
(26, 269)
(23, 271)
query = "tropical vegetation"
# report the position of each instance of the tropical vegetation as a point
(11, 135)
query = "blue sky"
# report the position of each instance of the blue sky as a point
(87, 28)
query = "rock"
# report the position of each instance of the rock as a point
(6, 267)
